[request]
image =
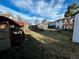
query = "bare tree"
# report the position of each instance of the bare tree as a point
(36, 21)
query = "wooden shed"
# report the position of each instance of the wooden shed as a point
(10, 33)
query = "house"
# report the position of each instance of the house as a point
(39, 25)
(65, 23)
(51, 24)
(75, 37)
(43, 25)
(59, 24)
(69, 23)
(9, 33)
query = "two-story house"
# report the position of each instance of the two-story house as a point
(59, 24)
(68, 23)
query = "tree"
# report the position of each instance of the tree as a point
(19, 18)
(44, 21)
(36, 21)
(71, 10)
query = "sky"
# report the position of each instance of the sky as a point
(31, 10)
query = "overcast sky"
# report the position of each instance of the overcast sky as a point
(36, 9)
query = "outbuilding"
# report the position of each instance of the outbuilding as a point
(10, 33)
(59, 24)
(75, 37)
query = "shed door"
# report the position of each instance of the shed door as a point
(4, 38)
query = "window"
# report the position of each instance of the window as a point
(58, 21)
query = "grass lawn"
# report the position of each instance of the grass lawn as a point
(61, 42)
(49, 44)
(64, 37)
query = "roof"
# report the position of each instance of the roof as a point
(60, 19)
(25, 23)
(51, 22)
(18, 23)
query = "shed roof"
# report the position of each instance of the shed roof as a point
(18, 23)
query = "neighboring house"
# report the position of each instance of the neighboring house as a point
(59, 24)
(65, 23)
(43, 25)
(51, 24)
(39, 26)
(68, 23)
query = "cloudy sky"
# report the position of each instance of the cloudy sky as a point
(36, 9)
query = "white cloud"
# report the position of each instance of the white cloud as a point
(4, 9)
(41, 7)
(24, 4)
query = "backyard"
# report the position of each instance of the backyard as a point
(49, 44)
(60, 41)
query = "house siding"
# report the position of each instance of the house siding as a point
(75, 37)
(59, 24)
(69, 23)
